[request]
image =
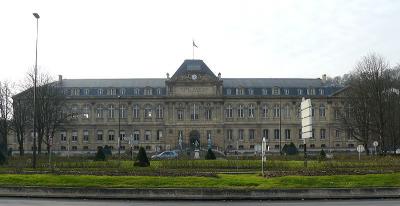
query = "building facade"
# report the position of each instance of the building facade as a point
(196, 108)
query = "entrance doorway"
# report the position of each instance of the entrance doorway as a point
(194, 138)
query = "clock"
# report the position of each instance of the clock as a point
(194, 77)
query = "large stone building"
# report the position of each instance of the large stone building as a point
(197, 107)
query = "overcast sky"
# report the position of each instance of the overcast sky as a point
(139, 39)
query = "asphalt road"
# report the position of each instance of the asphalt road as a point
(69, 202)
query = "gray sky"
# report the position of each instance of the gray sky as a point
(138, 39)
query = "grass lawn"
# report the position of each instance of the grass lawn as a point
(221, 181)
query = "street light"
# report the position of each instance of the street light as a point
(36, 15)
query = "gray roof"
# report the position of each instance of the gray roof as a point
(117, 83)
(193, 65)
(271, 82)
(160, 82)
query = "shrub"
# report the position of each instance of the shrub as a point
(3, 159)
(290, 149)
(210, 155)
(322, 155)
(107, 150)
(100, 156)
(141, 159)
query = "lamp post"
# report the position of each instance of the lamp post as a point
(36, 15)
(119, 127)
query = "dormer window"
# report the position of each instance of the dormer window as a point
(228, 91)
(100, 91)
(158, 91)
(86, 91)
(75, 92)
(286, 91)
(264, 92)
(251, 92)
(148, 91)
(136, 91)
(276, 91)
(299, 91)
(310, 91)
(111, 92)
(122, 91)
(321, 91)
(239, 91)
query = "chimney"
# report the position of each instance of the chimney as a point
(60, 79)
(168, 76)
(219, 76)
(324, 78)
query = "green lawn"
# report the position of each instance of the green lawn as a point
(221, 181)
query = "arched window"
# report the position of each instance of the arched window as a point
(277, 110)
(322, 110)
(148, 112)
(123, 111)
(265, 111)
(135, 111)
(86, 111)
(160, 111)
(229, 111)
(99, 111)
(240, 111)
(111, 112)
(251, 111)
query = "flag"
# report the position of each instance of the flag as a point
(194, 44)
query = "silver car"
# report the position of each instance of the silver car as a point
(165, 155)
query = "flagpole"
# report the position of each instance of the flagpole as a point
(193, 50)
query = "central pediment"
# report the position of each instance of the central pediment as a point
(194, 78)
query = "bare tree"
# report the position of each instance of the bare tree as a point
(21, 120)
(5, 115)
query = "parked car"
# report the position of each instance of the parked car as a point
(165, 155)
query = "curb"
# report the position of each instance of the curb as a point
(199, 193)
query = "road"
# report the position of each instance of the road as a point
(69, 202)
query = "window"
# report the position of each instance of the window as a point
(349, 133)
(148, 91)
(240, 111)
(251, 111)
(111, 92)
(159, 134)
(63, 148)
(74, 111)
(122, 91)
(136, 91)
(312, 145)
(74, 136)
(310, 91)
(208, 135)
(337, 133)
(337, 114)
(122, 147)
(158, 91)
(85, 135)
(228, 91)
(313, 111)
(252, 134)
(208, 114)
(99, 111)
(252, 146)
(321, 91)
(313, 134)
(299, 91)
(276, 133)
(147, 135)
(85, 148)
(136, 111)
(287, 133)
(180, 114)
(100, 91)
(111, 111)
(147, 111)
(229, 134)
(264, 92)
(122, 134)
(322, 110)
(159, 112)
(241, 147)
(63, 136)
(99, 134)
(350, 145)
(75, 92)
(74, 148)
(286, 111)
(86, 91)
(322, 133)
(195, 114)
(300, 134)
(348, 111)
(180, 134)
(265, 133)
(251, 91)
(123, 111)
(276, 91)
(286, 91)
(276, 146)
(323, 145)
(229, 111)
(239, 91)
(277, 110)
(136, 135)
(337, 145)
(85, 112)
(265, 111)
(111, 135)
(241, 134)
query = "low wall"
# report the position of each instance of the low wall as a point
(199, 194)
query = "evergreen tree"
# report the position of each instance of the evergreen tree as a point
(141, 159)
(100, 156)
(210, 155)
(322, 155)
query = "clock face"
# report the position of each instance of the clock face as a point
(194, 77)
